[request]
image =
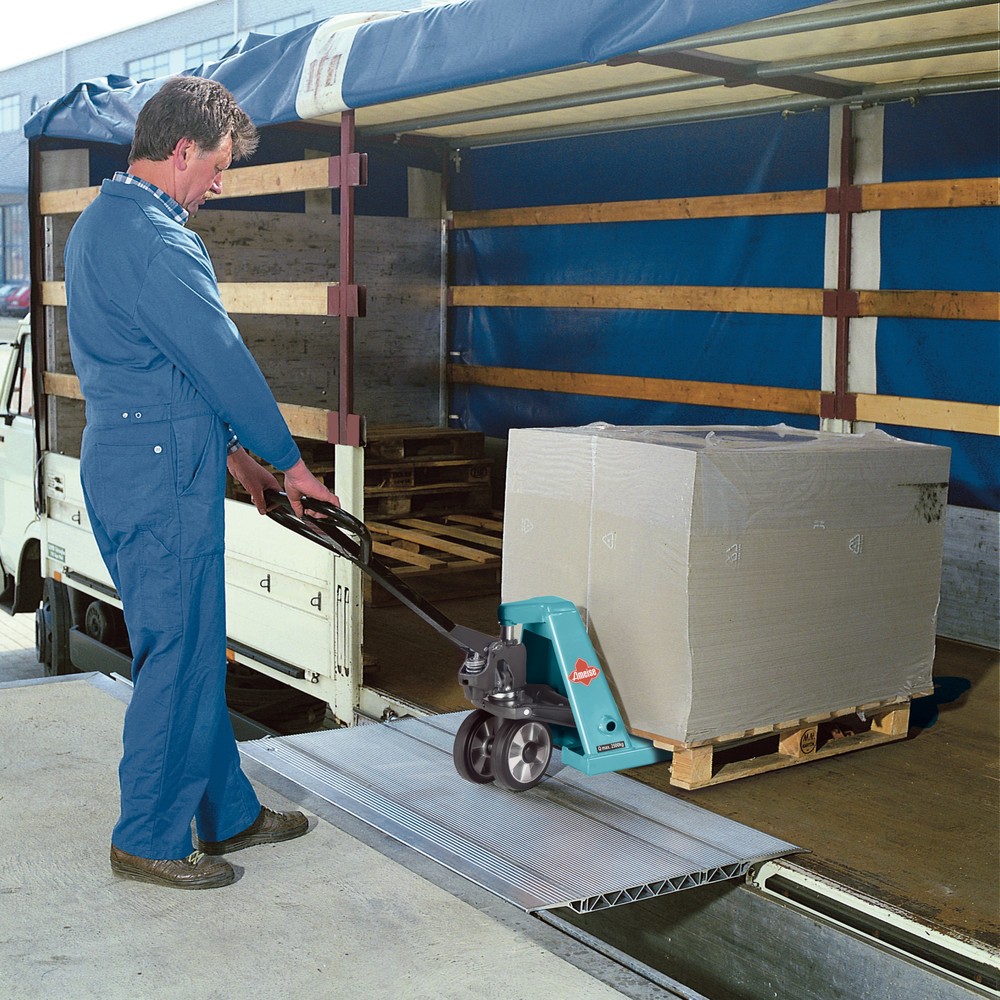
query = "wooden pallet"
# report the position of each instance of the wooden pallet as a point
(398, 443)
(410, 473)
(426, 471)
(447, 556)
(413, 471)
(428, 499)
(434, 499)
(772, 748)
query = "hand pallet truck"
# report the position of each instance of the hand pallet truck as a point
(538, 685)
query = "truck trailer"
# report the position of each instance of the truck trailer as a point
(613, 229)
(477, 217)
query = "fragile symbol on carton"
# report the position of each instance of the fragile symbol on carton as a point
(733, 554)
(856, 544)
(583, 673)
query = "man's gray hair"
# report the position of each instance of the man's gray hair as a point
(191, 107)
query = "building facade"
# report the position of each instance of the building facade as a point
(169, 45)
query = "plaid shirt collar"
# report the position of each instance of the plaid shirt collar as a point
(176, 211)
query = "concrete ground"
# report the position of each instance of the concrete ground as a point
(17, 648)
(342, 912)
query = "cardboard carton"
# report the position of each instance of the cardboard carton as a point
(734, 577)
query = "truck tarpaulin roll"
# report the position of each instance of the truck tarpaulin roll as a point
(354, 60)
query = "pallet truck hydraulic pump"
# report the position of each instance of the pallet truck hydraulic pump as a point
(537, 686)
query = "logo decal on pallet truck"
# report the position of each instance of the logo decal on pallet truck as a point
(583, 673)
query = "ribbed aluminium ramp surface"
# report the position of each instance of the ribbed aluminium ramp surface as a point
(578, 841)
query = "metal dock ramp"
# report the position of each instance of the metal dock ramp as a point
(584, 842)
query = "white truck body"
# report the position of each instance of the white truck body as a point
(293, 609)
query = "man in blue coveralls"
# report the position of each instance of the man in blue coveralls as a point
(172, 394)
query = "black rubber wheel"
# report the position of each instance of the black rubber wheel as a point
(473, 751)
(102, 622)
(42, 635)
(521, 752)
(56, 620)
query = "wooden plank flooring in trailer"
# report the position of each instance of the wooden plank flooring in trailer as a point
(913, 823)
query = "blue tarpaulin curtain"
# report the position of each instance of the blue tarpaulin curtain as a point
(414, 53)
(678, 161)
(955, 249)
(937, 249)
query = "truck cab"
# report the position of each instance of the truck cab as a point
(20, 526)
(70, 622)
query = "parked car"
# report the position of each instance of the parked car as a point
(16, 301)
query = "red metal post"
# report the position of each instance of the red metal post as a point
(845, 200)
(351, 297)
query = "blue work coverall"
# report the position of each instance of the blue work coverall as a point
(166, 378)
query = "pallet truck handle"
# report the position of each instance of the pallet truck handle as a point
(357, 549)
(333, 531)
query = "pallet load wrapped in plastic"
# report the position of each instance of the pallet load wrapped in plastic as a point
(734, 578)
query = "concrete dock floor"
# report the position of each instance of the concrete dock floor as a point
(342, 912)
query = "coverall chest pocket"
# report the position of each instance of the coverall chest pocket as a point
(130, 483)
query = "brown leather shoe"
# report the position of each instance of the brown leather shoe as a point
(193, 872)
(269, 827)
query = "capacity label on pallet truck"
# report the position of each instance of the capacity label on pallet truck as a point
(583, 673)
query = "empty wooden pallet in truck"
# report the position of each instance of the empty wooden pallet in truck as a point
(426, 471)
(428, 504)
(432, 486)
(428, 498)
(455, 555)
(416, 471)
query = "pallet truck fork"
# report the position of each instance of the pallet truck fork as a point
(538, 685)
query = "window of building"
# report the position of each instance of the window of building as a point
(10, 113)
(14, 241)
(210, 50)
(283, 24)
(149, 67)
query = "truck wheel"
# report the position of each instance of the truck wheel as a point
(52, 625)
(42, 635)
(102, 623)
